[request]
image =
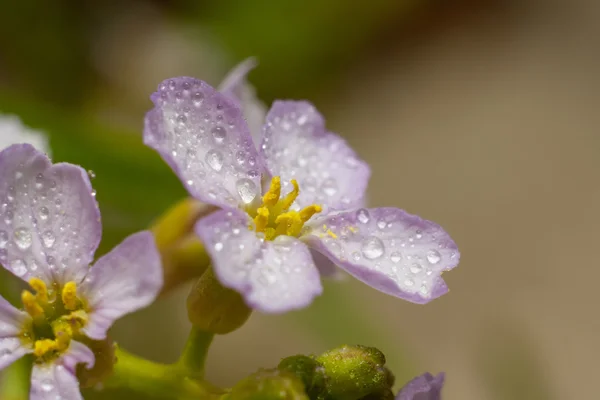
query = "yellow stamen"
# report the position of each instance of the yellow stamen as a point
(289, 199)
(69, 296)
(289, 223)
(44, 346)
(307, 212)
(40, 288)
(30, 304)
(272, 196)
(262, 219)
(330, 233)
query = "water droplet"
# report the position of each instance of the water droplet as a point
(47, 385)
(94, 193)
(246, 189)
(48, 238)
(197, 97)
(419, 235)
(218, 246)
(91, 174)
(8, 217)
(22, 238)
(372, 248)
(416, 268)
(219, 133)
(356, 255)
(329, 187)
(409, 282)
(395, 257)
(19, 267)
(18, 174)
(39, 181)
(433, 256)
(44, 213)
(3, 239)
(381, 224)
(215, 159)
(363, 216)
(424, 289)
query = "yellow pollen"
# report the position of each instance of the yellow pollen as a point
(69, 296)
(40, 289)
(44, 346)
(30, 304)
(353, 229)
(330, 233)
(262, 219)
(273, 217)
(272, 196)
(288, 200)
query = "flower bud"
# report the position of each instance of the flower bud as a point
(354, 372)
(182, 253)
(269, 385)
(214, 308)
(308, 370)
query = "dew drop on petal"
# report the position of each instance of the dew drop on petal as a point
(39, 181)
(381, 224)
(329, 187)
(409, 282)
(356, 256)
(218, 246)
(47, 385)
(363, 216)
(48, 238)
(3, 239)
(372, 248)
(433, 256)
(219, 133)
(214, 159)
(18, 267)
(44, 213)
(416, 268)
(395, 257)
(247, 190)
(22, 238)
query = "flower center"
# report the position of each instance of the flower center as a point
(274, 218)
(56, 319)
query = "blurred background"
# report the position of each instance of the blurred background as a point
(479, 115)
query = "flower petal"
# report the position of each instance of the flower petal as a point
(273, 276)
(203, 136)
(236, 85)
(388, 249)
(50, 223)
(13, 131)
(424, 387)
(125, 280)
(12, 322)
(297, 146)
(11, 349)
(57, 380)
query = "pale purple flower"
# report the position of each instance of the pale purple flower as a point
(424, 387)
(49, 231)
(13, 131)
(302, 187)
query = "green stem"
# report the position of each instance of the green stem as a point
(157, 381)
(14, 382)
(194, 355)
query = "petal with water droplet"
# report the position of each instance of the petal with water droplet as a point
(124, 280)
(199, 133)
(388, 249)
(296, 146)
(48, 213)
(426, 387)
(273, 276)
(57, 380)
(12, 322)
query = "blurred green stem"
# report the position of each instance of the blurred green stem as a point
(14, 384)
(194, 355)
(158, 381)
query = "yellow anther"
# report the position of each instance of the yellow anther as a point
(330, 233)
(30, 304)
(40, 288)
(307, 212)
(272, 196)
(262, 219)
(289, 199)
(289, 223)
(353, 229)
(44, 346)
(69, 296)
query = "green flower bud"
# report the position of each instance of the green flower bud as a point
(104, 352)
(269, 385)
(214, 308)
(308, 370)
(354, 372)
(183, 255)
